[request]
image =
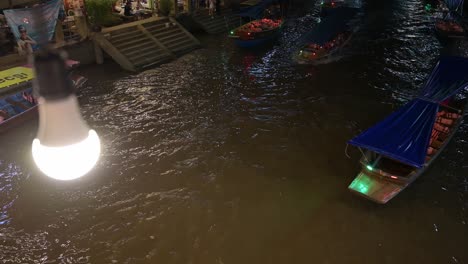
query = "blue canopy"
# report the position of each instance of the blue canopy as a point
(405, 134)
(337, 22)
(257, 10)
(453, 5)
(449, 76)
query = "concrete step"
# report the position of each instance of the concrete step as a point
(124, 43)
(164, 33)
(148, 54)
(133, 43)
(124, 36)
(217, 24)
(176, 45)
(137, 46)
(172, 39)
(134, 49)
(182, 38)
(158, 25)
(172, 36)
(123, 31)
(157, 31)
(130, 53)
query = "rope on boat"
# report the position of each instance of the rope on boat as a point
(346, 151)
(364, 155)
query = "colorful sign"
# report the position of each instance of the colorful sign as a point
(15, 76)
(76, 6)
(26, 23)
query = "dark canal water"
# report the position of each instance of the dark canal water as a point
(227, 156)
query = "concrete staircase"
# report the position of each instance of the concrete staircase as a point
(145, 43)
(171, 35)
(218, 24)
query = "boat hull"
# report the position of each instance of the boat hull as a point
(374, 188)
(448, 34)
(253, 43)
(19, 115)
(330, 57)
(380, 189)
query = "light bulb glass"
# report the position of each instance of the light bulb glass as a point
(65, 147)
(67, 162)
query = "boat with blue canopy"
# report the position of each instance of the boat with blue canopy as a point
(328, 38)
(450, 25)
(397, 150)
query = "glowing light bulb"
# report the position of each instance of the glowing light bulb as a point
(65, 147)
(232, 32)
(369, 167)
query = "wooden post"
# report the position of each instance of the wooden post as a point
(59, 36)
(82, 26)
(176, 7)
(98, 52)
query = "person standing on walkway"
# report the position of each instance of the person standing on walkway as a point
(211, 8)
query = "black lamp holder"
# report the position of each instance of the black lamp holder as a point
(51, 81)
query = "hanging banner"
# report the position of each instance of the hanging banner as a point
(24, 26)
(15, 76)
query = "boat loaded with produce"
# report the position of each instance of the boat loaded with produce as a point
(257, 32)
(17, 102)
(450, 25)
(397, 150)
(327, 39)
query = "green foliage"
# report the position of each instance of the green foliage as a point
(100, 12)
(165, 7)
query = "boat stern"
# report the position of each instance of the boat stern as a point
(375, 188)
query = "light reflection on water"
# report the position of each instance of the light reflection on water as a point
(231, 156)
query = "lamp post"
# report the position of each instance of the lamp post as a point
(65, 147)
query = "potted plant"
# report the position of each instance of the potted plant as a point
(100, 13)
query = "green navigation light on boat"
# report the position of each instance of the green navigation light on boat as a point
(369, 167)
(363, 188)
(232, 32)
(428, 7)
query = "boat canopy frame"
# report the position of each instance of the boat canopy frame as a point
(405, 134)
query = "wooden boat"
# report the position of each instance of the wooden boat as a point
(449, 29)
(257, 33)
(17, 104)
(450, 26)
(15, 79)
(314, 53)
(328, 38)
(400, 148)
